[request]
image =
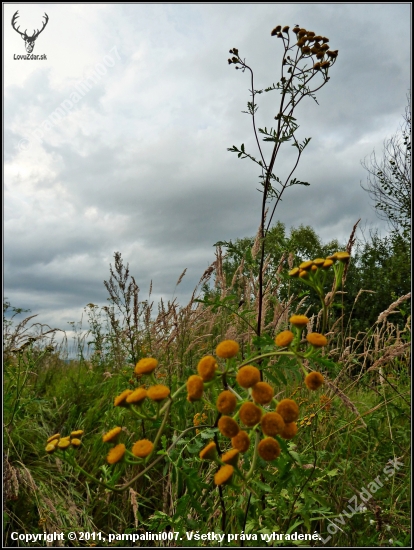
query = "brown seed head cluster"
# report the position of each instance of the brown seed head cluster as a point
(262, 393)
(272, 424)
(207, 367)
(241, 441)
(226, 402)
(269, 449)
(195, 388)
(314, 380)
(250, 414)
(288, 410)
(228, 426)
(248, 376)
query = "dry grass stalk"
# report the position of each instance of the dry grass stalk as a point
(344, 398)
(391, 309)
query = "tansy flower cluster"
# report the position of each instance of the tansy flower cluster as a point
(58, 443)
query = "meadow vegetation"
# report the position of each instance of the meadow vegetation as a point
(275, 401)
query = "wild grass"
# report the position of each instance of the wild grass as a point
(347, 432)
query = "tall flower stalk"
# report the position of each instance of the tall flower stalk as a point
(305, 66)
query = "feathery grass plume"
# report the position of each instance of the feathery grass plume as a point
(116, 454)
(224, 475)
(228, 426)
(231, 457)
(158, 392)
(314, 380)
(137, 396)
(289, 430)
(207, 367)
(226, 402)
(288, 410)
(272, 424)
(112, 435)
(269, 449)
(262, 393)
(227, 349)
(209, 452)
(391, 309)
(142, 448)
(241, 441)
(248, 376)
(250, 414)
(284, 338)
(146, 365)
(317, 340)
(195, 388)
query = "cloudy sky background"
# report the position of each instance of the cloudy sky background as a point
(140, 163)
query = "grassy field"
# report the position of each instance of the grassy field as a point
(345, 475)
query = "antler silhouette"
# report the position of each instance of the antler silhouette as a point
(28, 40)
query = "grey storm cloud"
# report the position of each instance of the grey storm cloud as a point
(138, 163)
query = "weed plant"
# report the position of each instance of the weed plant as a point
(251, 411)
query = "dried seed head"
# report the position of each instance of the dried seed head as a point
(285, 29)
(248, 376)
(306, 50)
(302, 32)
(241, 441)
(226, 402)
(262, 393)
(195, 388)
(228, 426)
(314, 380)
(269, 449)
(288, 410)
(207, 367)
(324, 39)
(272, 423)
(250, 414)
(289, 431)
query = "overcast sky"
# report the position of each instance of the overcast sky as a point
(136, 161)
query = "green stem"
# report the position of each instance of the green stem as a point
(254, 459)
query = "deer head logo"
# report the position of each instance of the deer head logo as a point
(29, 41)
